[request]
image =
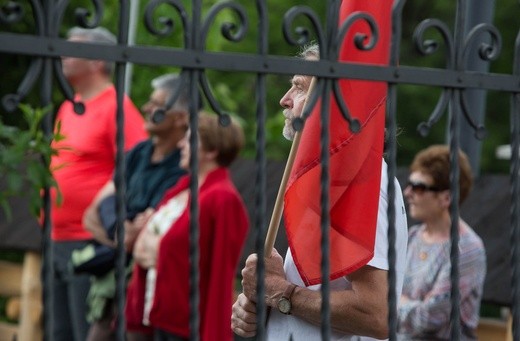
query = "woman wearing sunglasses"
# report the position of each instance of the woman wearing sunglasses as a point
(425, 305)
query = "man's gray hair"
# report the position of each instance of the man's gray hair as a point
(311, 50)
(96, 35)
(171, 82)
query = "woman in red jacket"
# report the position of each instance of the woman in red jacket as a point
(223, 228)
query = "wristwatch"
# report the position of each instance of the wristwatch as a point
(284, 303)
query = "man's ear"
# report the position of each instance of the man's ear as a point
(445, 198)
(182, 119)
(97, 64)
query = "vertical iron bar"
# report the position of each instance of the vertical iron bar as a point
(325, 211)
(193, 75)
(260, 161)
(515, 198)
(194, 209)
(454, 136)
(391, 113)
(47, 252)
(391, 171)
(48, 126)
(331, 31)
(515, 213)
(454, 132)
(120, 173)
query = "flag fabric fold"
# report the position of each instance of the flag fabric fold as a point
(355, 162)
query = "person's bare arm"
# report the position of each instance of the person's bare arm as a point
(134, 227)
(360, 311)
(91, 220)
(146, 248)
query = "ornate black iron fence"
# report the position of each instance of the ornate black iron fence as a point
(46, 48)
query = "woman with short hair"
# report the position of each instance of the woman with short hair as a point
(425, 304)
(162, 249)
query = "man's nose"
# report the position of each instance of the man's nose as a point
(286, 101)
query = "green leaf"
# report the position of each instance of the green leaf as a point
(29, 149)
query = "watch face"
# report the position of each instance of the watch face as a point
(284, 305)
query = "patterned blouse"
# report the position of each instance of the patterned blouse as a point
(426, 313)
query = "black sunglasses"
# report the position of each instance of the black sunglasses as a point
(421, 187)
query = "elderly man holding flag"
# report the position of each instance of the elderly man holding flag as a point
(358, 213)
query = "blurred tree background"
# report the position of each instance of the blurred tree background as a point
(236, 91)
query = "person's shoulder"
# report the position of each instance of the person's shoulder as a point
(222, 190)
(138, 152)
(143, 145)
(471, 248)
(413, 231)
(469, 238)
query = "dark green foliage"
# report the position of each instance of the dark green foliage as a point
(24, 159)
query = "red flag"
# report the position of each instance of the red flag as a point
(355, 163)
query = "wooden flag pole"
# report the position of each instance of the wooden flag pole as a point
(278, 206)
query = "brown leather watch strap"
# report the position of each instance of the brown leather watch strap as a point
(284, 303)
(289, 291)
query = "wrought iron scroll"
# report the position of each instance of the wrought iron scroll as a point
(486, 52)
(168, 23)
(12, 13)
(428, 47)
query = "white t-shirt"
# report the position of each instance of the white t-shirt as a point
(281, 327)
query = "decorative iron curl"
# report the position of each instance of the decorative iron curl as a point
(302, 35)
(360, 39)
(486, 52)
(224, 118)
(480, 130)
(184, 82)
(361, 43)
(428, 47)
(424, 127)
(11, 13)
(168, 23)
(354, 124)
(66, 89)
(11, 101)
(229, 30)
(83, 14)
